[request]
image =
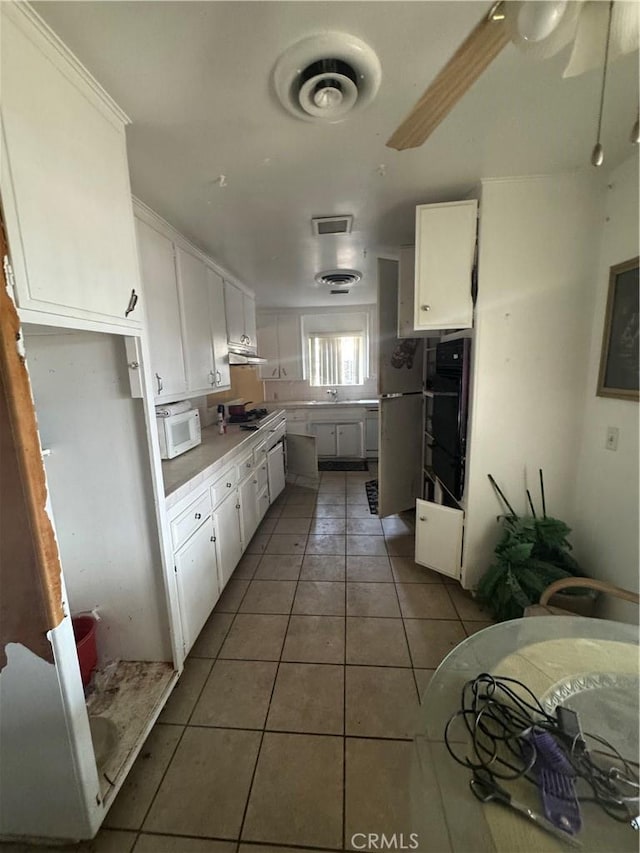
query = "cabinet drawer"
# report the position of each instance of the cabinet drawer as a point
(223, 486)
(183, 526)
(276, 433)
(246, 466)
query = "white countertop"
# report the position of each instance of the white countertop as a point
(181, 474)
(318, 404)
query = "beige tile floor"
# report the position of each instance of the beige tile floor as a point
(291, 724)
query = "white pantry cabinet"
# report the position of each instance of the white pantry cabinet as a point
(440, 295)
(65, 184)
(157, 265)
(280, 342)
(197, 581)
(240, 309)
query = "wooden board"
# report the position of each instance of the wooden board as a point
(30, 572)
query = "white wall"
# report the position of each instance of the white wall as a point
(301, 390)
(538, 250)
(101, 493)
(606, 517)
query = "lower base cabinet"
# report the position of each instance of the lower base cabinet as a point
(196, 568)
(439, 537)
(228, 538)
(249, 512)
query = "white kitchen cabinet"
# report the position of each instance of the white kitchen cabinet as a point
(240, 310)
(275, 468)
(325, 438)
(349, 440)
(226, 521)
(218, 325)
(267, 333)
(197, 581)
(157, 264)
(65, 183)
(280, 342)
(435, 286)
(249, 513)
(196, 327)
(439, 537)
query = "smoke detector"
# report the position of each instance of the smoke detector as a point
(327, 76)
(338, 278)
(331, 225)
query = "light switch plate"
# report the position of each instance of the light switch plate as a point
(612, 438)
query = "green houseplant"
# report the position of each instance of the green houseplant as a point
(532, 553)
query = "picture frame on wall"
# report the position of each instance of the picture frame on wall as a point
(619, 365)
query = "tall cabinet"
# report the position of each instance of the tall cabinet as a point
(80, 465)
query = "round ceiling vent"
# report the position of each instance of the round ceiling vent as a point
(327, 76)
(339, 278)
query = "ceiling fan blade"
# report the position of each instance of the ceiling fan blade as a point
(475, 54)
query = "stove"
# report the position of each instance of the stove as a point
(248, 417)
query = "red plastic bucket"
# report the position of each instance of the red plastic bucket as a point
(84, 631)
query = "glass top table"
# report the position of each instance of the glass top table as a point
(589, 665)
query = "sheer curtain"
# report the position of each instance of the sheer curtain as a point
(336, 359)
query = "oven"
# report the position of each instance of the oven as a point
(450, 413)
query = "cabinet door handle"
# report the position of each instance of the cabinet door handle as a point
(133, 301)
(423, 518)
(228, 485)
(284, 371)
(426, 307)
(248, 464)
(274, 371)
(198, 516)
(213, 538)
(218, 378)
(255, 482)
(159, 381)
(237, 506)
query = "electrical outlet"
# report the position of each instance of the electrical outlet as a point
(612, 438)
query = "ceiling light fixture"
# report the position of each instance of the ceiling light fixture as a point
(597, 155)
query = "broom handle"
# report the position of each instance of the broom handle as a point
(499, 491)
(544, 506)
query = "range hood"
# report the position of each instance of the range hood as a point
(236, 357)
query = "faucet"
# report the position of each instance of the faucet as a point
(333, 393)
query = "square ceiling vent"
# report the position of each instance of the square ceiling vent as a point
(331, 225)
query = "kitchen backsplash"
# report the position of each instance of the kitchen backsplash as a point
(303, 391)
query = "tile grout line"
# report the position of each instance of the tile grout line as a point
(266, 717)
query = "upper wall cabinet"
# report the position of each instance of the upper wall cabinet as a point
(157, 264)
(441, 296)
(185, 318)
(218, 329)
(240, 310)
(65, 183)
(280, 342)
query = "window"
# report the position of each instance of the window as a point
(336, 359)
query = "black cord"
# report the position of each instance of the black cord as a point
(500, 714)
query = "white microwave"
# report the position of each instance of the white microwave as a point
(178, 433)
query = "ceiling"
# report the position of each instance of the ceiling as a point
(196, 80)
